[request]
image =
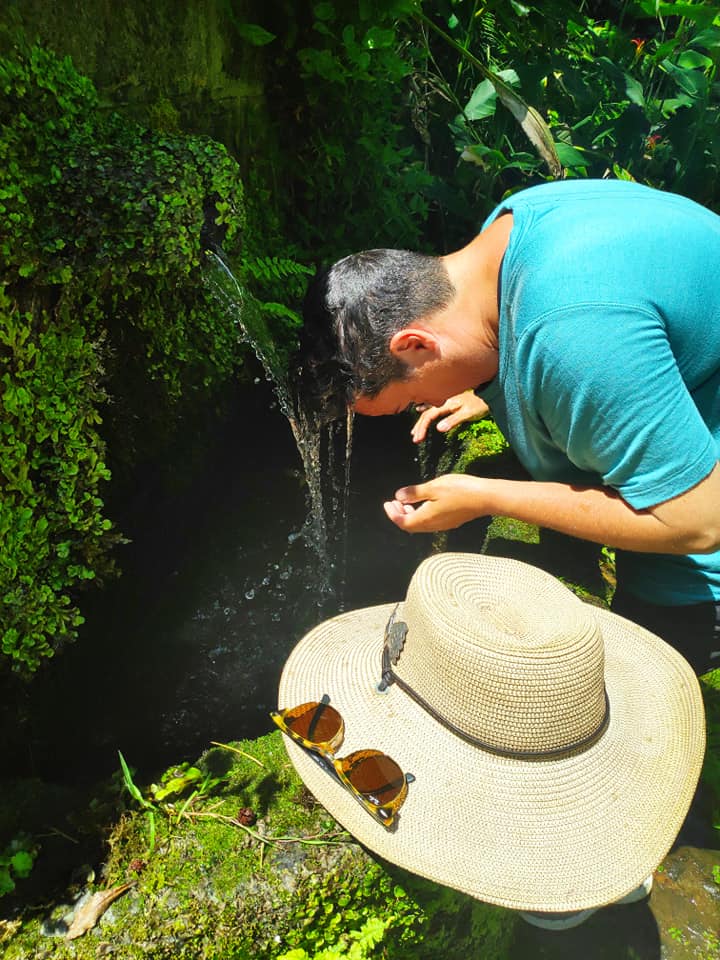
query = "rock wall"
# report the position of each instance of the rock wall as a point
(167, 64)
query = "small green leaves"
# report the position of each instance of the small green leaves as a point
(102, 218)
(16, 862)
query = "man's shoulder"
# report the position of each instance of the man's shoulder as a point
(557, 193)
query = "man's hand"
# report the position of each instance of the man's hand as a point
(458, 409)
(688, 523)
(444, 503)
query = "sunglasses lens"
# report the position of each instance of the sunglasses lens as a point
(374, 775)
(315, 722)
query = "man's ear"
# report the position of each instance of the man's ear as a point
(415, 346)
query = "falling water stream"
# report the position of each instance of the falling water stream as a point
(327, 503)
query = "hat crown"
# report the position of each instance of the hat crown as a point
(504, 653)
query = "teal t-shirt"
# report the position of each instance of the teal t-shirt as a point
(609, 354)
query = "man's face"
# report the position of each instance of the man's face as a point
(394, 398)
(431, 384)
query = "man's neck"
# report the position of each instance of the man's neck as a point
(475, 271)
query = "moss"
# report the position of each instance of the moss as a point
(710, 686)
(472, 444)
(209, 887)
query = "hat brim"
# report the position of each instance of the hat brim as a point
(554, 835)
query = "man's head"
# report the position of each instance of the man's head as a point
(352, 311)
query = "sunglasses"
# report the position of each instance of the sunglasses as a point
(372, 777)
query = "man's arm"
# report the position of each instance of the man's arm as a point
(688, 523)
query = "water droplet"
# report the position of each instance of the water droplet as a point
(249, 594)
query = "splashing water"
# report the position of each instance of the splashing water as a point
(327, 495)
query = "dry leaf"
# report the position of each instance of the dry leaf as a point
(533, 125)
(88, 914)
(8, 929)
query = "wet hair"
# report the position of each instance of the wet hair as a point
(351, 312)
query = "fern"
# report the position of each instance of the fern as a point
(282, 310)
(271, 269)
(356, 945)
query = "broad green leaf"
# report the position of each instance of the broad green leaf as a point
(691, 60)
(695, 12)
(703, 13)
(691, 82)
(482, 103)
(570, 156)
(708, 38)
(634, 90)
(256, 35)
(673, 104)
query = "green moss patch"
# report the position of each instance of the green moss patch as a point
(244, 863)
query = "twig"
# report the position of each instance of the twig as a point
(317, 840)
(55, 830)
(242, 753)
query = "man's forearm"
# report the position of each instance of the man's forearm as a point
(601, 515)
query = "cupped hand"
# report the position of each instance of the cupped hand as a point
(444, 503)
(458, 409)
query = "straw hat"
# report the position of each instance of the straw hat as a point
(555, 746)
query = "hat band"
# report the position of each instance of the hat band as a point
(389, 677)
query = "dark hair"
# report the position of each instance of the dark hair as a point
(351, 312)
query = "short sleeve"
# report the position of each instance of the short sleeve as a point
(604, 381)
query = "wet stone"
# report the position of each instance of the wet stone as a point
(686, 904)
(679, 921)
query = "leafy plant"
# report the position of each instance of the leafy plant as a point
(677, 934)
(356, 945)
(631, 96)
(341, 916)
(364, 181)
(53, 534)
(105, 227)
(149, 808)
(16, 862)
(176, 781)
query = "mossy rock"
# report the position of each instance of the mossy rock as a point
(291, 882)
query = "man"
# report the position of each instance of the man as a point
(586, 316)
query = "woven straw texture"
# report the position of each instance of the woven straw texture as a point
(507, 653)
